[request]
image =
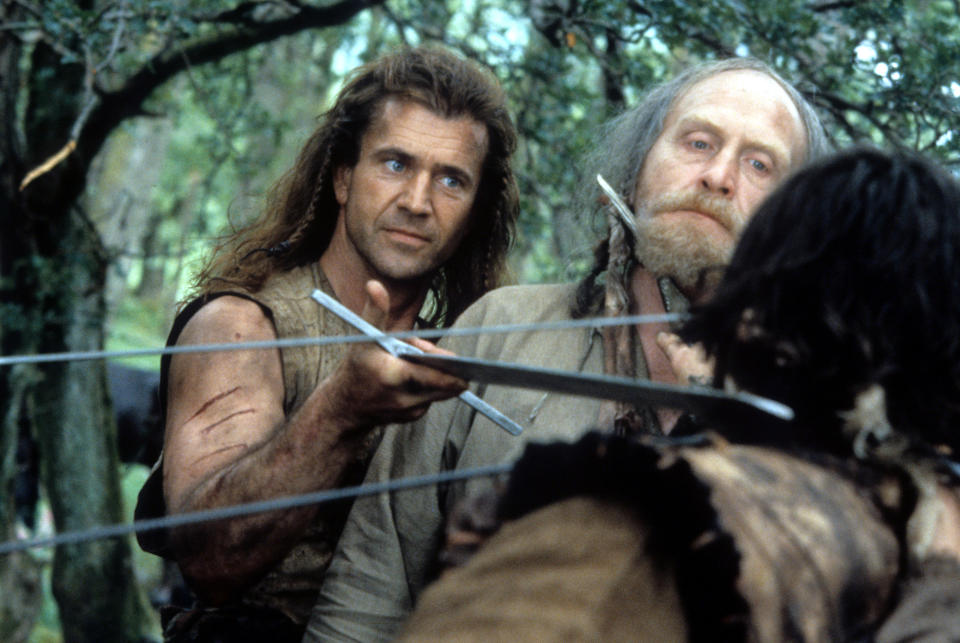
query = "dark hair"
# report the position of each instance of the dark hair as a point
(298, 222)
(625, 141)
(847, 276)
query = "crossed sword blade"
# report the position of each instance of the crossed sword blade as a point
(695, 399)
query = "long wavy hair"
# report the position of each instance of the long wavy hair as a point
(301, 211)
(848, 276)
(625, 141)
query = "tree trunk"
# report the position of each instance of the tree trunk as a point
(19, 574)
(56, 280)
(93, 583)
(117, 203)
(154, 262)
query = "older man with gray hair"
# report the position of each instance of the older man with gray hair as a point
(693, 161)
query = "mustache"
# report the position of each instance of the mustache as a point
(410, 224)
(718, 208)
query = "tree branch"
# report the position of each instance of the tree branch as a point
(830, 6)
(128, 101)
(712, 43)
(116, 106)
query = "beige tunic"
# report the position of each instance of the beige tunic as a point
(388, 548)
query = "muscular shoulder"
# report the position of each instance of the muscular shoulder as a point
(228, 318)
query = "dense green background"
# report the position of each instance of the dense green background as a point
(185, 112)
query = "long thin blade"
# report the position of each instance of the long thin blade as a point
(696, 399)
(398, 348)
(626, 216)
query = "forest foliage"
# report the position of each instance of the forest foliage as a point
(144, 128)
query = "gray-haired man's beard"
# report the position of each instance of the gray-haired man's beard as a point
(682, 252)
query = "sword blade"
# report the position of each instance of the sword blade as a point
(398, 348)
(696, 399)
(626, 216)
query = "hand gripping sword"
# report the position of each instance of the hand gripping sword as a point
(399, 348)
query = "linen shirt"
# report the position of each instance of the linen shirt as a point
(387, 551)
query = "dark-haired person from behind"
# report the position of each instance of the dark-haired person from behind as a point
(847, 287)
(842, 300)
(402, 205)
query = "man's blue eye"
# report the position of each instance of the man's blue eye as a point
(451, 182)
(395, 165)
(758, 165)
(700, 145)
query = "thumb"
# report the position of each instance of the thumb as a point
(377, 304)
(669, 343)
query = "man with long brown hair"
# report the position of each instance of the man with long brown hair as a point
(401, 204)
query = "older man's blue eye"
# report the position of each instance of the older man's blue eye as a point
(451, 182)
(759, 165)
(700, 145)
(395, 165)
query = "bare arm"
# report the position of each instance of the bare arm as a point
(227, 440)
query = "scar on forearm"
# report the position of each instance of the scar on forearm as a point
(242, 445)
(214, 400)
(209, 427)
